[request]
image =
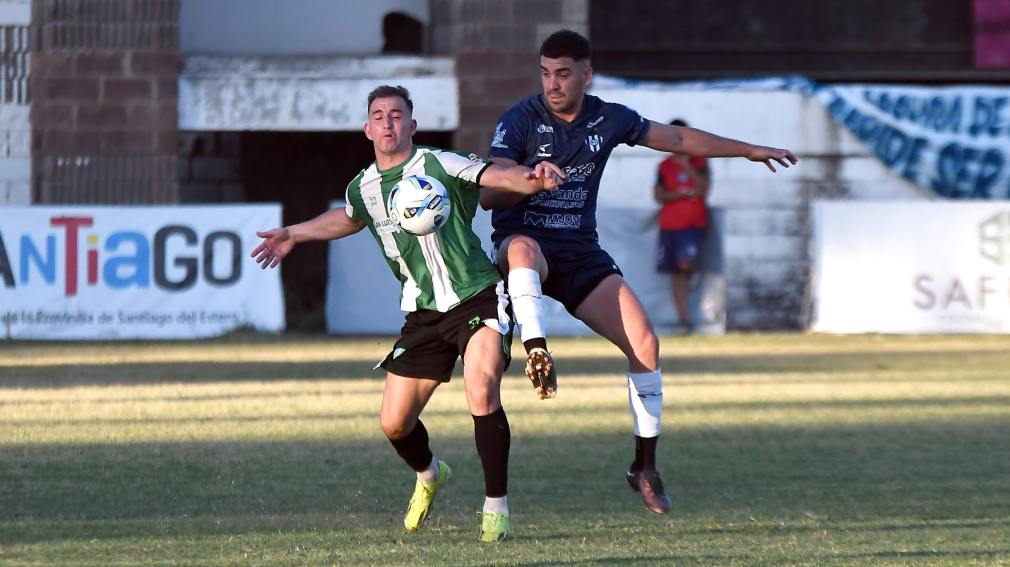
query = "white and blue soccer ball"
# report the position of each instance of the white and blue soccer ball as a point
(419, 204)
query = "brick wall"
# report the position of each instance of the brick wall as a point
(104, 113)
(15, 132)
(496, 46)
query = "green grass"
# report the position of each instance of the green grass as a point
(777, 450)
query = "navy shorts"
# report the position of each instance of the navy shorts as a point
(677, 247)
(431, 341)
(573, 272)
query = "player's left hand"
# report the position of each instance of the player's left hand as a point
(767, 155)
(547, 175)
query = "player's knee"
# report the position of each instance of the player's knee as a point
(522, 252)
(394, 427)
(483, 397)
(686, 267)
(646, 352)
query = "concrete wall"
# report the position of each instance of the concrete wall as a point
(15, 128)
(289, 27)
(767, 216)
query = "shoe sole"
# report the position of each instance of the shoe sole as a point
(540, 369)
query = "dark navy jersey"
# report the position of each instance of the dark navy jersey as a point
(529, 133)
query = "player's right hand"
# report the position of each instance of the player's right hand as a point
(548, 174)
(277, 243)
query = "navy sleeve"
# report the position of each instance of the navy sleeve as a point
(633, 125)
(509, 140)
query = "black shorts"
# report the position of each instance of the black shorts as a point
(573, 272)
(430, 341)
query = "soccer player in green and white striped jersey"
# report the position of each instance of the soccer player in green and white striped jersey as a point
(454, 298)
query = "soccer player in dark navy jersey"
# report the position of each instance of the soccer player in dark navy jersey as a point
(547, 243)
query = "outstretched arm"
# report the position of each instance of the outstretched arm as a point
(521, 179)
(691, 141)
(505, 183)
(278, 242)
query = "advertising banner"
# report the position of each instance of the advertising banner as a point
(91, 272)
(953, 140)
(934, 267)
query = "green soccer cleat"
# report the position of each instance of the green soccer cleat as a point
(494, 527)
(424, 494)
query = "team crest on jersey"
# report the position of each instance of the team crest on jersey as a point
(594, 141)
(499, 136)
(545, 129)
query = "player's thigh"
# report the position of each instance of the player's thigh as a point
(483, 366)
(402, 402)
(614, 312)
(521, 251)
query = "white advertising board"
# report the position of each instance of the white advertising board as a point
(918, 267)
(167, 272)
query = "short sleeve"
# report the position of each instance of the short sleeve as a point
(509, 139)
(633, 126)
(465, 167)
(352, 199)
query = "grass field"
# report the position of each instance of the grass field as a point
(777, 450)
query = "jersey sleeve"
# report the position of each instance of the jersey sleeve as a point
(466, 167)
(352, 200)
(509, 139)
(633, 126)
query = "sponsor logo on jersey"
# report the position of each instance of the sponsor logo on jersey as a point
(578, 173)
(385, 226)
(474, 322)
(398, 351)
(499, 136)
(552, 220)
(543, 151)
(594, 141)
(595, 122)
(475, 158)
(545, 129)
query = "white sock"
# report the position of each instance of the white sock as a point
(645, 398)
(498, 505)
(430, 474)
(527, 302)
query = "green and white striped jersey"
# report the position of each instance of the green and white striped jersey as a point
(440, 270)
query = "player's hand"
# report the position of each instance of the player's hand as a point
(547, 175)
(276, 244)
(767, 155)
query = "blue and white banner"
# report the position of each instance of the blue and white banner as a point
(81, 272)
(952, 140)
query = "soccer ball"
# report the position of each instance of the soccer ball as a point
(419, 204)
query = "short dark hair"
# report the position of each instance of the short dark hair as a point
(678, 122)
(388, 91)
(566, 43)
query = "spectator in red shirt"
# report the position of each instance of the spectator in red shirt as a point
(682, 187)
